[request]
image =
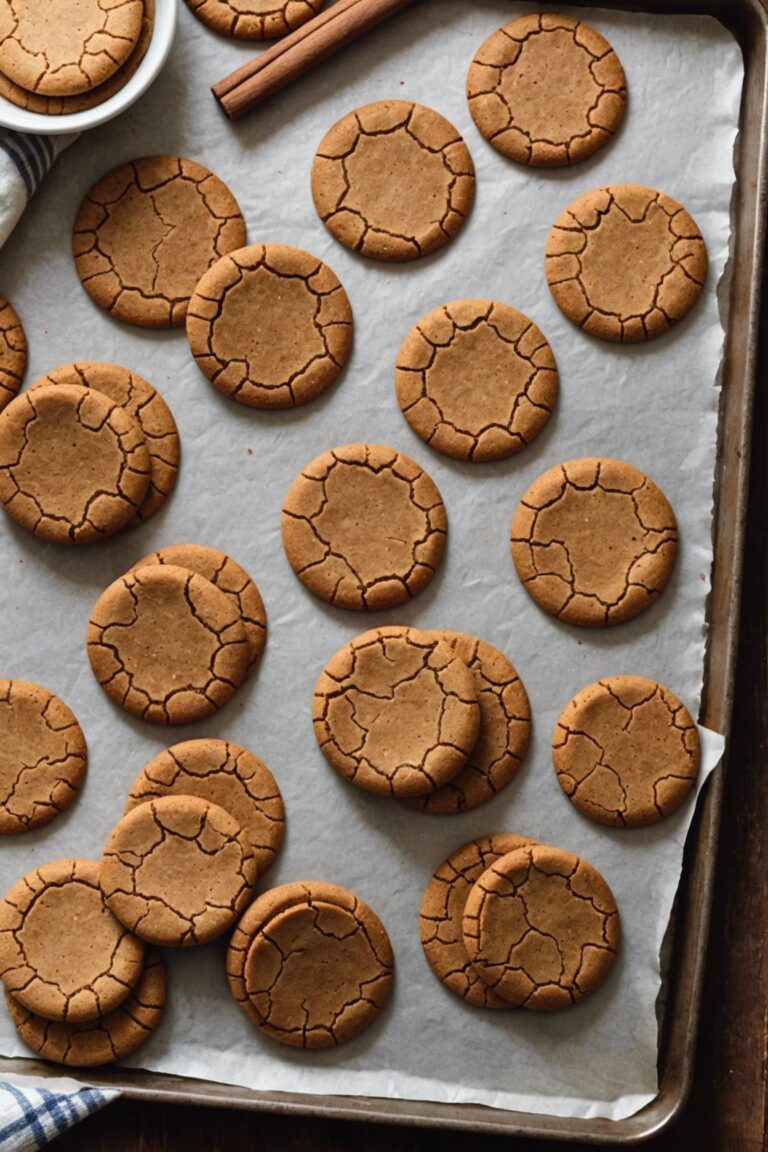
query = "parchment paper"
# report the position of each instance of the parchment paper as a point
(653, 405)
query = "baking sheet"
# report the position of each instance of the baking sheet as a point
(655, 406)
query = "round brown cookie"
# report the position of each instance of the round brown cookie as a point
(254, 19)
(541, 927)
(64, 47)
(145, 405)
(67, 105)
(13, 353)
(108, 1038)
(396, 711)
(228, 577)
(594, 541)
(442, 912)
(270, 326)
(177, 871)
(393, 180)
(364, 527)
(74, 467)
(476, 379)
(166, 645)
(147, 231)
(505, 729)
(317, 967)
(43, 756)
(227, 775)
(546, 90)
(626, 751)
(63, 954)
(625, 262)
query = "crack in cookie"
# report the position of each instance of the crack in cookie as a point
(13, 353)
(255, 19)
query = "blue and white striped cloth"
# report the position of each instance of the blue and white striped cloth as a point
(24, 161)
(34, 1111)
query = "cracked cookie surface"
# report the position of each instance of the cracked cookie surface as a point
(546, 90)
(594, 541)
(255, 19)
(102, 1041)
(167, 645)
(226, 774)
(442, 911)
(626, 751)
(393, 180)
(74, 466)
(43, 756)
(13, 353)
(476, 380)
(145, 234)
(63, 955)
(505, 729)
(311, 964)
(396, 711)
(270, 326)
(541, 927)
(229, 577)
(177, 871)
(146, 407)
(364, 527)
(625, 263)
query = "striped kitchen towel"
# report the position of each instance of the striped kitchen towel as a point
(24, 161)
(35, 1110)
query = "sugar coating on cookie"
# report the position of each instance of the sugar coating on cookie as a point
(167, 645)
(594, 541)
(626, 751)
(396, 711)
(177, 871)
(625, 262)
(74, 466)
(43, 756)
(255, 19)
(63, 955)
(505, 729)
(393, 180)
(546, 90)
(63, 47)
(541, 927)
(147, 231)
(13, 353)
(364, 527)
(226, 774)
(110, 1037)
(270, 326)
(476, 380)
(442, 912)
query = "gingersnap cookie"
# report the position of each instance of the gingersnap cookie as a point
(626, 751)
(442, 912)
(270, 326)
(393, 180)
(229, 577)
(594, 541)
(476, 380)
(177, 871)
(505, 729)
(541, 927)
(63, 955)
(13, 353)
(106, 1039)
(145, 405)
(311, 964)
(43, 756)
(147, 231)
(546, 90)
(227, 775)
(167, 645)
(396, 711)
(254, 19)
(364, 527)
(74, 466)
(64, 47)
(625, 262)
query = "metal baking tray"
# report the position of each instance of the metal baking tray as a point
(684, 960)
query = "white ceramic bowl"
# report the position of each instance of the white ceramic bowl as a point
(166, 12)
